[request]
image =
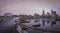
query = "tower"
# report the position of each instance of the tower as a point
(43, 14)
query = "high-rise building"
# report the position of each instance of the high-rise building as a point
(48, 14)
(36, 15)
(43, 14)
(53, 14)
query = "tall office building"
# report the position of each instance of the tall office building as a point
(43, 14)
(53, 14)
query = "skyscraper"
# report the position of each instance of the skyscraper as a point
(43, 14)
(53, 14)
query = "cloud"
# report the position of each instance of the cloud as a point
(13, 5)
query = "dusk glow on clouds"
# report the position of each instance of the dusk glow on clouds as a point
(28, 7)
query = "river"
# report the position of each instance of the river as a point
(45, 24)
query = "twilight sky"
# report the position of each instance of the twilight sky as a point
(28, 7)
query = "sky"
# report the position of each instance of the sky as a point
(28, 7)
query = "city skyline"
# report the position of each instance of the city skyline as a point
(28, 6)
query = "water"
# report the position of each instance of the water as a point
(45, 24)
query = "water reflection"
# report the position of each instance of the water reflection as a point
(43, 21)
(53, 22)
(48, 21)
(46, 24)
